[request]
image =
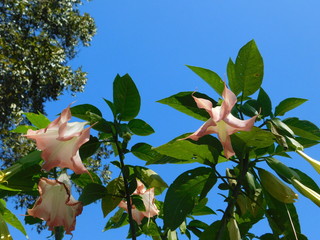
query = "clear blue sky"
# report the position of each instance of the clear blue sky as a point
(154, 40)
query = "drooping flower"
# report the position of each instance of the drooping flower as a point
(56, 204)
(314, 163)
(148, 201)
(60, 143)
(221, 121)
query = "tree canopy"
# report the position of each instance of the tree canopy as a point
(37, 40)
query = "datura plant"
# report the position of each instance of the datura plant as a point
(241, 131)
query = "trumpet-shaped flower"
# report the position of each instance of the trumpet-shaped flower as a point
(314, 163)
(55, 204)
(60, 143)
(148, 201)
(221, 121)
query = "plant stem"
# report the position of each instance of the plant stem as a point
(126, 187)
(244, 166)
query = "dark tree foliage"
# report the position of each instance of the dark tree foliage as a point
(37, 39)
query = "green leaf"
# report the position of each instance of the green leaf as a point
(281, 169)
(210, 77)
(82, 180)
(185, 103)
(140, 127)
(117, 220)
(114, 195)
(23, 129)
(201, 209)
(126, 98)
(303, 128)
(145, 152)
(287, 105)
(231, 72)
(265, 103)
(91, 193)
(89, 148)
(216, 231)
(277, 215)
(38, 120)
(138, 203)
(112, 107)
(256, 138)
(150, 178)
(248, 70)
(4, 231)
(206, 150)
(182, 194)
(10, 218)
(81, 111)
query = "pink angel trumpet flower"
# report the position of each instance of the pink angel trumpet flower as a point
(56, 205)
(148, 201)
(221, 121)
(60, 143)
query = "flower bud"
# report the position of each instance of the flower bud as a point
(315, 164)
(233, 229)
(276, 188)
(309, 193)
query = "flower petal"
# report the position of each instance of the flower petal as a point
(55, 205)
(230, 99)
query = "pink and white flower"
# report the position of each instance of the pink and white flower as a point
(148, 201)
(221, 121)
(56, 204)
(60, 143)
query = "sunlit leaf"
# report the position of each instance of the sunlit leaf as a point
(210, 77)
(140, 127)
(185, 103)
(126, 98)
(182, 193)
(287, 105)
(248, 70)
(114, 194)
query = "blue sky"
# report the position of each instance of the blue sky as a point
(154, 40)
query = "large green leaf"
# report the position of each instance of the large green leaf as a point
(282, 217)
(126, 98)
(183, 193)
(210, 77)
(38, 120)
(256, 138)
(287, 105)
(185, 103)
(91, 193)
(114, 194)
(206, 150)
(248, 70)
(81, 111)
(140, 127)
(231, 72)
(303, 128)
(7, 216)
(145, 152)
